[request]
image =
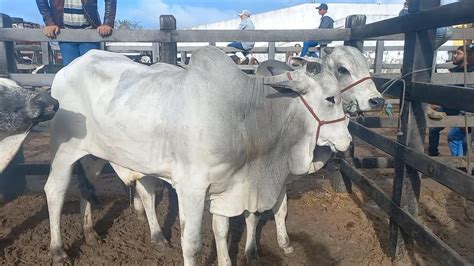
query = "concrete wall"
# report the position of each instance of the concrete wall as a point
(305, 16)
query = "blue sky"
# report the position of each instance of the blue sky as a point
(188, 13)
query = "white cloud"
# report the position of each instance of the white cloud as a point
(148, 13)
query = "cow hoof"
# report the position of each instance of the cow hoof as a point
(60, 257)
(289, 251)
(92, 238)
(160, 241)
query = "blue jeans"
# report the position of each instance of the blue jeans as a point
(239, 46)
(457, 141)
(306, 46)
(433, 135)
(72, 50)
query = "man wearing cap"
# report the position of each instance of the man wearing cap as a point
(326, 23)
(456, 136)
(245, 24)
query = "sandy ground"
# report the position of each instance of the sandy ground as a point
(325, 228)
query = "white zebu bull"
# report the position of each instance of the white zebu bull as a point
(210, 131)
(20, 110)
(347, 63)
(359, 94)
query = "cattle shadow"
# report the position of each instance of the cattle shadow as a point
(172, 213)
(28, 224)
(313, 251)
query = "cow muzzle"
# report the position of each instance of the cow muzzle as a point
(42, 107)
(376, 102)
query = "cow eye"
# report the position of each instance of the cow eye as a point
(331, 99)
(342, 70)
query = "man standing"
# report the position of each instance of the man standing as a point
(434, 112)
(326, 23)
(457, 141)
(245, 24)
(76, 14)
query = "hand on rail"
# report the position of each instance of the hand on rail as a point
(51, 31)
(104, 30)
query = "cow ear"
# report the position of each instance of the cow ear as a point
(314, 67)
(288, 86)
(276, 71)
(328, 50)
(297, 62)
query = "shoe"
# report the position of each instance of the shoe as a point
(435, 115)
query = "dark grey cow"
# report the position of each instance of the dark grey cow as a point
(20, 110)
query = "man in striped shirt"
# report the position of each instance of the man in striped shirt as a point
(76, 14)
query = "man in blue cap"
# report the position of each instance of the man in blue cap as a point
(326, 23)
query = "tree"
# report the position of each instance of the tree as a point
(127, 24)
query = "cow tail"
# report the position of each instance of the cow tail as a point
(86, 187)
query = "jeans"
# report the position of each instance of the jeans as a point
(457, 141)
(72, 50)
(239, 46)
(306, 46)
(433, 135)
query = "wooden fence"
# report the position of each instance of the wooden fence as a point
(409, 161)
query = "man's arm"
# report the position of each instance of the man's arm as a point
(51, 29)
(45, 10)
(109, 18)
(110, 11)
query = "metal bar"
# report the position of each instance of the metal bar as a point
(260, 35)
(423, 236)
(448, 176)
(178, 35)
(373, 162)
(446, 15)
(376, 122)
(450, 121)
(7, 49)
(37, 80)
(448, 96)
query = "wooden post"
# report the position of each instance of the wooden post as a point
(7, 49)
(183, 58)
(418, 55)
(354, 21)
(155, 52)
(338, 183)
(271, 51)
(378, 62)
(168, 50)
(45, 53)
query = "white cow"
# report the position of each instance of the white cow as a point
(347, 63)
(211, 131)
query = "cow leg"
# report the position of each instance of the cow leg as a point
(138, 207)
(251, 251)
(55, 189)
(220, 227)
(280, 210)
(92, 167)
(146, 189)
(191, 199)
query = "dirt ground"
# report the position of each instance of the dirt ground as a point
(325, 228)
